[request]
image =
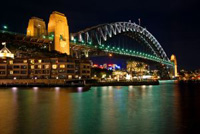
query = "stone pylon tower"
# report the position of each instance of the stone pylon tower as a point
(173, 59)
(36, 27)
(59, 29)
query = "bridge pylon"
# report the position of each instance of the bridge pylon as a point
(174, 71)
(36, 27)
(59, 29)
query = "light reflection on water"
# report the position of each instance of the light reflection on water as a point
(167, 108)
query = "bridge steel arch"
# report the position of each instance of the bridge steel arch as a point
(94, 37)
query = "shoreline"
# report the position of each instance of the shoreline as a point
(69, 83)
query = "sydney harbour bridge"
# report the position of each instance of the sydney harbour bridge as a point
(122, 38)
(118, 38)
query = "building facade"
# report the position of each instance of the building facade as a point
(45, 68)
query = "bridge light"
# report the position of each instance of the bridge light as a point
(5, 27)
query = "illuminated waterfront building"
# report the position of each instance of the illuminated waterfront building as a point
(107, 66)
(137, 68)
(45, 68)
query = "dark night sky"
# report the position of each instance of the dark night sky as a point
(175, 23)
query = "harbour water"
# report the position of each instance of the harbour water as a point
(167, 108)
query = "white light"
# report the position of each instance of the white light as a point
(131, 86)
(128, 77)
(35, 88)
(14, 88)
(57, 88)
(143, 86)
(80, 89)
(146, 76)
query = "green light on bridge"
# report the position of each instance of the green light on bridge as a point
(5, 27)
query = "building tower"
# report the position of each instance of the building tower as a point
(173, 59)
(59, 29)
(5, 53)
(36, 27)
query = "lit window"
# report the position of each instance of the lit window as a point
(69, 76)
(11, 72)
(32, 61)
(40, 61)
(11, 61)
(25, 61)
(62, 66)
(54, 66)
(32, 67)
(39, 66)
(46, 66)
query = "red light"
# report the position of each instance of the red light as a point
(95, 65)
